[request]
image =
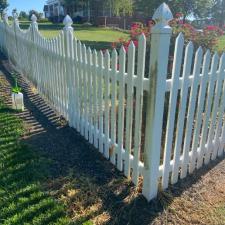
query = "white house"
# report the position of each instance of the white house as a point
(54, 8)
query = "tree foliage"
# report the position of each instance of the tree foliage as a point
(122, 7)
(218, 11)
(3, 5)
(23, 15)
(198, 8)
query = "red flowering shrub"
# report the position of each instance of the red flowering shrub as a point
(136, 30)
(207, 38)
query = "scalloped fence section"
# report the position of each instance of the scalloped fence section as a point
(156, 123)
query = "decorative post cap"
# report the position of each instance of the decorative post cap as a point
(33, 18)
(15, 17)
(68, 22)
(162, 16)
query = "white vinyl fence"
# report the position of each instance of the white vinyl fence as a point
(155, 128)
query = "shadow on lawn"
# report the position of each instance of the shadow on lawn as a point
(22, 170)
(88, 185)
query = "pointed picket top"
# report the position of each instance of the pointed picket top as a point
(5, 16)
(107, 58)
(207, 55)
(222, 62)
(68, 22)
(95, 54)
(100, 59)
(84, 52)
(142, 38)
(180, 38)
(100, 53)
(122, 59)
(114, 53)
(206, 63)
(190, 46)
(215, 56)
(107, 55)
(131, 46)
(15, 16)
(122, 50)
(162, 16)
(198, 54)
(89, 50)
(84, 46)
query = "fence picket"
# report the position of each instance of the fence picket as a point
(178, 55)
(120, 131)
(182, 110)
(139, 107)
(113, 106)
(217, 141)
(201, 99)
(76, 83)
(89, 84)
(95, 63)
(217, 95)
(212, 79)
(79, 53)
(191, 111)
(107, 102)
(100, 99)
(129, 107)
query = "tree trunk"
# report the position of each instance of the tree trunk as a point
(124, 22)
(184, 18)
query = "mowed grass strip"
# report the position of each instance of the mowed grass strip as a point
(94, 37)
(22, 171)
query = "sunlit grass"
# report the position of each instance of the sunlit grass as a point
(95, 37)
(22, 172)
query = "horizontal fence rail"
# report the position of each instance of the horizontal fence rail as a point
(154, 126)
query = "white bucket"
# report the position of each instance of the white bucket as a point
(17, 101)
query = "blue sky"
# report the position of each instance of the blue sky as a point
(26, 5)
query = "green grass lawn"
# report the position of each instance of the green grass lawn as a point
(22, 173)
(221, 43)
(95, 37)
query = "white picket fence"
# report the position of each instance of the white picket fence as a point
(156, 129)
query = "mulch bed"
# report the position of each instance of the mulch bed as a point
(91, 188)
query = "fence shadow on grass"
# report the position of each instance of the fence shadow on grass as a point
(81, 177)
(21, 197)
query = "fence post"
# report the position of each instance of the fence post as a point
(69, 55)
(34, 24)
(34, 29)
(6, 22)
(160, 43)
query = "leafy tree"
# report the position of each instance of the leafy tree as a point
(23, 15)
(3, 5)
(198, 8)
(147, 7)
(122, 8)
